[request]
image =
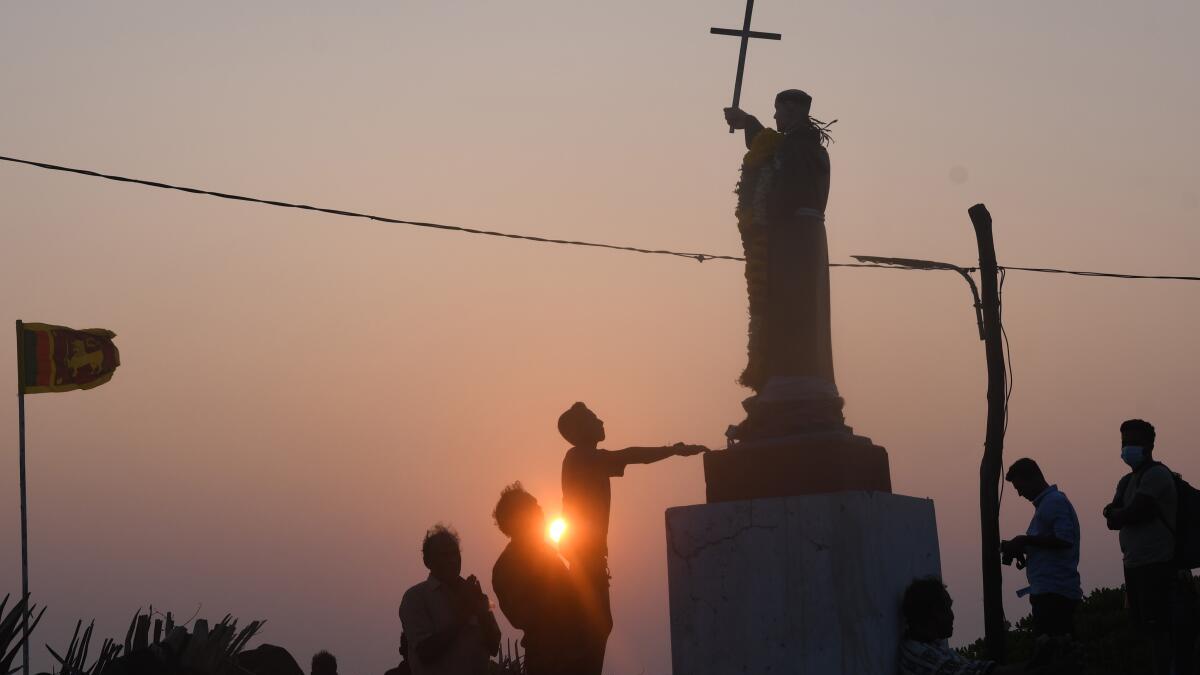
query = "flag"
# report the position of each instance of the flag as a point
(55, 358)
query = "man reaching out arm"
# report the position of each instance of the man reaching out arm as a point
(587, 498)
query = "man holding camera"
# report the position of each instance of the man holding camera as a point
(1049, 551)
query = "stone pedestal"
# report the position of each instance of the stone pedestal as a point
(794, 441)
(806, 585)
(794, 466)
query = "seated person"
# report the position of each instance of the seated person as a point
(929, 622)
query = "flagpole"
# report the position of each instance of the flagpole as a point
(24, 517)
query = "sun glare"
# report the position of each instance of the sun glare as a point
(558, 527)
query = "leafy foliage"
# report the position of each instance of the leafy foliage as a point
(171, 649)
(510, 661)
(12, 636)
(1109, 643)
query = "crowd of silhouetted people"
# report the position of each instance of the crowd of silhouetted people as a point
(1155, 513)
(558, 597)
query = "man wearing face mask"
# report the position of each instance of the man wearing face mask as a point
(1158, 592)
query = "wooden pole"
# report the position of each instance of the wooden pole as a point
(24, 517)
(993, 445)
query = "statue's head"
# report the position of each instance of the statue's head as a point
(441, 554)
(580, 426)
(793, 116)
(792, 108)
(518, 514)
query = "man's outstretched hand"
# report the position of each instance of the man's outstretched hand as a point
(736, 118)
(685, 450)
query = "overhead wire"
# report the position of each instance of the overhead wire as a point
(1111, 275)
(700, 257)
(697, 256)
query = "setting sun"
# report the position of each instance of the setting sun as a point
(558, 527)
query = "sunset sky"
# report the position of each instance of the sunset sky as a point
(302, 395)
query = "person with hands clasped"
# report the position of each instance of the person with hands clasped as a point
(448, 620)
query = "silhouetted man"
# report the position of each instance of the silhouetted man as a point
(1160, 595)
(450, 629)
(587, 497)
(929, 623)
(324, 663)
(1049, 550)
(534, 589)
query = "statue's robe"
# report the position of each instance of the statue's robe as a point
(790, 203)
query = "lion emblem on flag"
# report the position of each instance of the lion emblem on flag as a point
(81, 357)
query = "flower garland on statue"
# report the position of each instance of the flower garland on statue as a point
(757, 170)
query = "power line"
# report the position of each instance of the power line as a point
(1111, 275)
(699, 257)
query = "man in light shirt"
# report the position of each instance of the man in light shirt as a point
(450, 629)
(1049, 550)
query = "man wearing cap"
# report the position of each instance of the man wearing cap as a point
(781, 215)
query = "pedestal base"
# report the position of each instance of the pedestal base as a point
(800, 465)
(797, 586)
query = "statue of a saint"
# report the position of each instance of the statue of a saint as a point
(782, 195)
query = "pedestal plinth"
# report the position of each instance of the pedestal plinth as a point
(800, 465)
(805, 585)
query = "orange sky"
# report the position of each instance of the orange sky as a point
(303, 395)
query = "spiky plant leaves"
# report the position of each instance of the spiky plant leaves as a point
(245, 636)
(207, 651)
(129, 633)
(12, 635)
(141, 636)
(9, 625)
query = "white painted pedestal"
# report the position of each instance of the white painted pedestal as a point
(795, 585)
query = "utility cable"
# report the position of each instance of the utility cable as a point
(1111, 275)
(699, 257)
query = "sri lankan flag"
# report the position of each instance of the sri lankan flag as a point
(55, 358)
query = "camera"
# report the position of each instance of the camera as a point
(1008, 559)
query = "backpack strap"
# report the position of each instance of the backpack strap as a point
(1119, 497)
(1157, 507)
(1136, 476)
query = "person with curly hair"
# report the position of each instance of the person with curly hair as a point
(533, 587)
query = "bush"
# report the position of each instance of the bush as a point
(1109, 643)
